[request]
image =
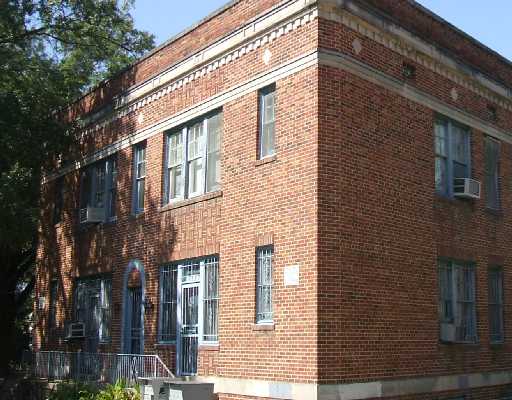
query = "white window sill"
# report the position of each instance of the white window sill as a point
(264, 327)
(186, 202)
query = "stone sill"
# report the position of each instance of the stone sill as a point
(263, 327)
(209, 347)
(188, 202)
(266, 160)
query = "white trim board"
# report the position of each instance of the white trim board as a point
(296, 65)
(357, 391)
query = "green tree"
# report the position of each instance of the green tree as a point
(51, 51)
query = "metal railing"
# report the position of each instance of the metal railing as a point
(95, 367)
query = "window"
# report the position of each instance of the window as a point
(93, 306)
(264, 256)
(98, 188)
(59, 200)
(203, 275)
(193, 159)
(168, 297)
(52, 312)
(139, 178)
(267, 114)
(457, 300)
(496, 304)
(452, 148)
(491, 186)
(210, 300)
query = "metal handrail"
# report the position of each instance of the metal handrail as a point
(95, 367)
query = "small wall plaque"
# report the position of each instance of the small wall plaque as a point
(291, 275)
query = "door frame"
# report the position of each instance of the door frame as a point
(180, 284)
(126, 314)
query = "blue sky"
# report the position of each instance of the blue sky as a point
(489, 21)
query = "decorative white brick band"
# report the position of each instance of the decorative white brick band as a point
(278, 22)
(406, 44)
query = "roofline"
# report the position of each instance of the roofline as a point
(466, 35)
(158, 48)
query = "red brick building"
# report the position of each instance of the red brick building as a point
(285, 200)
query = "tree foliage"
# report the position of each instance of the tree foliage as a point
(51, 51)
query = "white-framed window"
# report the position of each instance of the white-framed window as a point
(492, 180)
(52, 311)
(495, 284)
(264, 284)
(267, 116)
(453, 155)
(98, 187)
(204, 272)
(457, 297)
(93, 306)
(193, 159)
(139, 180)
(168, 304)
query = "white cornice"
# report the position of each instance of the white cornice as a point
(257, 82)
(403, 42)
(279, 21)
(370, 74)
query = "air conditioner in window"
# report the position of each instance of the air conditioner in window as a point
(466, 188)
(91, 215)
(76, 330)
(448, 332)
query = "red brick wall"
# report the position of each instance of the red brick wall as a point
(381, 226)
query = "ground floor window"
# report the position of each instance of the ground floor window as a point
(93, 308)
(457, 301)
(187, 288)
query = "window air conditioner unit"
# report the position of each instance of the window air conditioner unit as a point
(448, 332)
(76, 330)
(91, 215)
(467, 188)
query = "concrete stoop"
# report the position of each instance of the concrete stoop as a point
(175, 389)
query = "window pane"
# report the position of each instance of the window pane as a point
(496, 305)
(264, 285)
(195, 174)
(441, 178)
(112, 187)
(175, 182)
(140, 194)
(213, 169)
(441, 140)
(491, 185)
(267, 124)
(196, 141)
(176, 149)
(99, 185)
(460, 143)
(445, 290)
(211, 300)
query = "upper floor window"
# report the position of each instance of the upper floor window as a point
(492, 184)
(453, 155)
(496, 304)
(264, 284)
(193, 159)
(139, 184)
(267, 114)
(93, 307)
(59, 200)
(98, 191)
(457, 311)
